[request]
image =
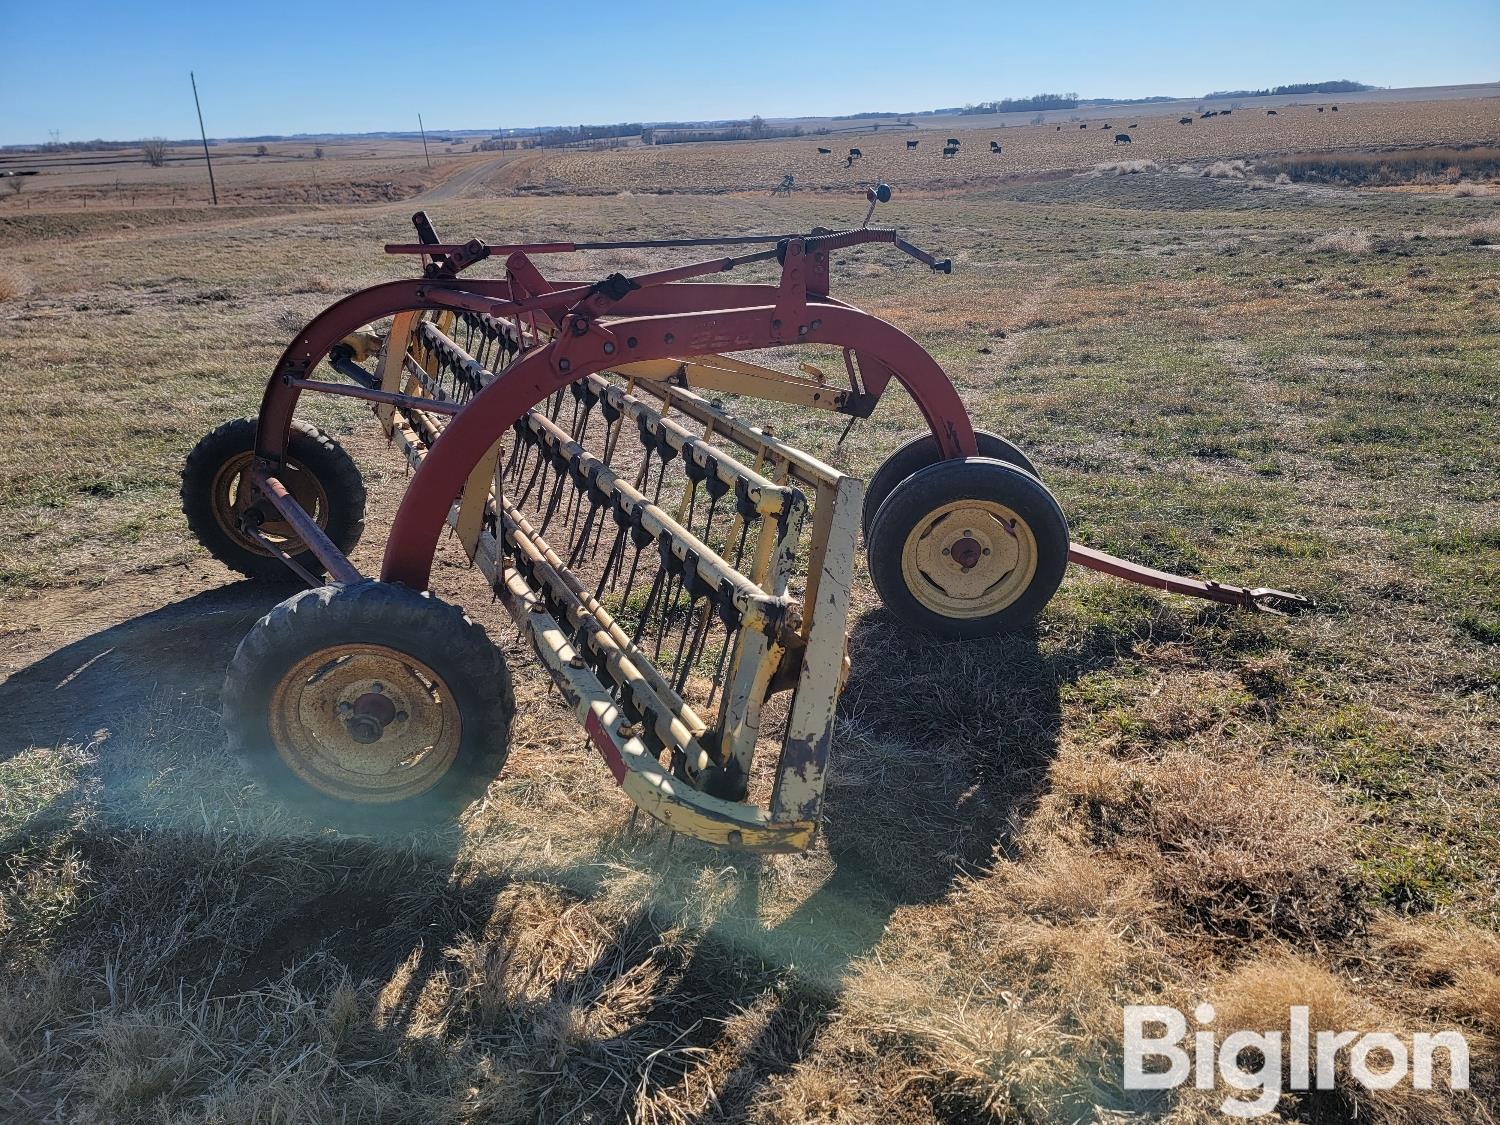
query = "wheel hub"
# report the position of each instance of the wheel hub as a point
(365, 722)
(234, 499)
(969, 558)
(369, 715)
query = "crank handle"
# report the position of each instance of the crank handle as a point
(939, 265)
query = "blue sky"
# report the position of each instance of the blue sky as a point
(120, 70)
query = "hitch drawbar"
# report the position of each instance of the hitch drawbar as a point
(1261, 599)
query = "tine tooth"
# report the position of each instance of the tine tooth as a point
(557, 487)
(729, 635)
(611, 563)
(646, 610)
(695, 650)
(630, 582)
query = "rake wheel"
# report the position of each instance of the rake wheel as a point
(922, 451)
(369, 706)
(968, 548)
(319, 474)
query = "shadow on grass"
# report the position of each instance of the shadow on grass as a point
(941, 751)
(180, 650)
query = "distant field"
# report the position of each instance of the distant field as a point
(1142, 800)
(388, 171)
(290, 174)
(1026, 149)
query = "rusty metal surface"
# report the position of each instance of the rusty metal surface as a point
(340, 569)
(1262, 599)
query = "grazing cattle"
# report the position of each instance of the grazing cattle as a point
(994, 146)
(1083, 125)
(950, 151)
(1225, 112)
(1122, 138)
(1135, 126)
(1106, 126)
(1320, 109)
(826, 151)
(1334, 108)
(1270, 113)
(912, 144)
(855, 154)
(1184, 121)
(953, 141)
(1059, 128)
(1210, 113)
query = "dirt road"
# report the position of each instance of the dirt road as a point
(482, 181)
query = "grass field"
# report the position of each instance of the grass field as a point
(1142, 801)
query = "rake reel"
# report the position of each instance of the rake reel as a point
(683, 576)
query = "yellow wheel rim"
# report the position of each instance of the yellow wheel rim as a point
(232, 494)
(366, 723)
(969, 558)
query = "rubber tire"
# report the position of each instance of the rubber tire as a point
(435, 632)
(978, 478)
(316, 453)
(922, 451)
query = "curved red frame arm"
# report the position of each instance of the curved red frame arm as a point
(655, 323)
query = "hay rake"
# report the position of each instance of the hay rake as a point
(683, 576)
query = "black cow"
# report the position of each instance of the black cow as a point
(950, 151)
(994, 146)
(1083, 125)
(1122, 138)
(953, 141)
(1184, 121)
(855, 153)
(1270, 113)
(1334, 108)
(912, 144)
(826, 151)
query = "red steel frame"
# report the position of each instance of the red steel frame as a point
(648, 318)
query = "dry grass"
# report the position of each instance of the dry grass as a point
(1344, 242)
(1143, 801)
(1226, 170)
(1421, 164)
(1126, 168)
(12, 285)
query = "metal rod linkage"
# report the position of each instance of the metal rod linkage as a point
(340, 569)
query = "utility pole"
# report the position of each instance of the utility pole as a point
(423, 129)
(204, 134)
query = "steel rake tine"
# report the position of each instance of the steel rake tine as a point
(695, 649)
(640, 626)
(611, 563)
(682, 643)
(579, 546)
(630, 582)
(691, 631)
(739, 552)
(557, 487)
(729, 636)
